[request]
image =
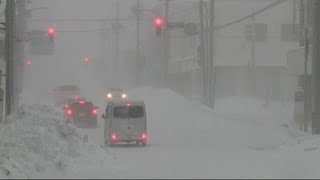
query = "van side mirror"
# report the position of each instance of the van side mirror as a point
(103, 116)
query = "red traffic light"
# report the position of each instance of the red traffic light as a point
(29, 62)
(86, 59)
(51, 31)
(158, 21)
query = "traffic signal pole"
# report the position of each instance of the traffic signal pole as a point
(307, 77)
(9, 54)
(21, 26)
(166, 43)
(117, 27)
(252, 64)
(138, 44)
(212, 78)
(202, 53)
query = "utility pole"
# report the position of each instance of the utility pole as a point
(212, 73)
(303, 42)
(308, 78)
(138, 44)
(301, 23)
(21, 25)
(307, 94)
(10, 30)
(166, 43)
(252, 66)
(202, 52)
(103, 50)
(253, 40)
(117, 28)
(316, 64)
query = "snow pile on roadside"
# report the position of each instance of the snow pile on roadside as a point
(36, 142)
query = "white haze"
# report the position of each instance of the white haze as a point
(66, 67)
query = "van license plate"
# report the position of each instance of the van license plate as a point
(82, 114)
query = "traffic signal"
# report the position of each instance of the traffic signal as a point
(51, 31)
(86, 59)
(158, 22)
(29, 62)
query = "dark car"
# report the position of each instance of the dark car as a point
(72, 100)
(83, 114)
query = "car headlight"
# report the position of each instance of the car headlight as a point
(109, 95)
(124, 95)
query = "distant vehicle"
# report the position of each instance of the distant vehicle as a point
(125, 121)
(65, 92)
(83, 114)
(115, 93)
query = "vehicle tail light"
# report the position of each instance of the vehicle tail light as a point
(66, 105)
(94, 111)
(81, 102)
(113, 136)
(69, 112)
(143, 136)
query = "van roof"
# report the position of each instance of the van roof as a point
(126, 101)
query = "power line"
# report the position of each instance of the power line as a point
(251, 15)
(83, 20)
(96, 30)
(92, 30)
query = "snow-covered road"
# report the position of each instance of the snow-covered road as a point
(239, 139)
(187, 140)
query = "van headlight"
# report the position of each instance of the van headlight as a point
(109, 95)
(124, 95)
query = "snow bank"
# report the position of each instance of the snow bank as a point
(37, 143)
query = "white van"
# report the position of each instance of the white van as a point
(125, 121)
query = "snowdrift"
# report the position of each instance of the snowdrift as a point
(37, 143)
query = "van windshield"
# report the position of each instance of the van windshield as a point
(123, 112)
